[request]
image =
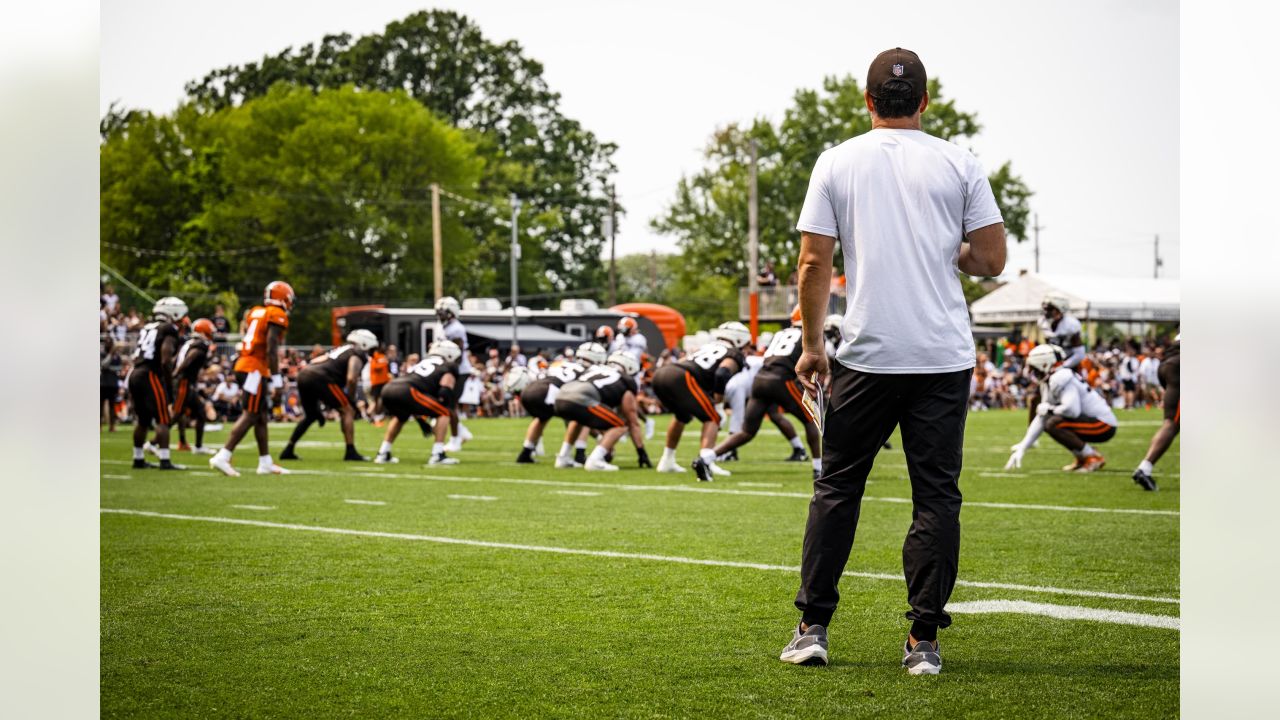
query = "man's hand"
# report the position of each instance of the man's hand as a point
(813, 371)
(1015, 459)
(1044, 408)
(643, 455)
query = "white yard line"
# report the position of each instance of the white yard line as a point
(1067, 612)
(254, 507)
(578, 493)
(486, 498)
(897, 577)
(117, 477)
(759, 484)
(364, 502)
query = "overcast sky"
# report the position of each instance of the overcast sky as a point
(1081, 96)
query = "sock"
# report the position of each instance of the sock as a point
(580, 445)
(264, 461)
(1146, 466)
(351, 449)
(921, 631)
(817, 465)
(708, 455)
(597, 454)
(200, 435)
(1088, 451)
(223, 455)
(566, 450)
(384, 448)
(138, 454)
(437, 449)
(163, 453)
(795, 443)
(529, 446)
(669, 454)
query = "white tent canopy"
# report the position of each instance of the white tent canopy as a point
(1090, 298)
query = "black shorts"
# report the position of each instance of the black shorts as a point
(534, 399)
(150, 394)
(107, 394)
(772, 389)
(314, 390)
(680, 394)
(1088, 428)
(1170, 377)
(186, 401)
(402, 400)
(260, 400)
(1129, 385)
(587, 410)
(375, 391)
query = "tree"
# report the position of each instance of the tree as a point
(324, 189)
(708, 215)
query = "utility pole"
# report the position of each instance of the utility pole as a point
(1159, 262)
(515, 257)
(437, 264)
(613, 273)
(753, 248)
(1036, 229)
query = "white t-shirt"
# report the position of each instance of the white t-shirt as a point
(456, 332)
(901, 202)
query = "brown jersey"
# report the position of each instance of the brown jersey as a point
(703, 362)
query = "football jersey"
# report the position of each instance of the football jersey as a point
(1062, 334)
(332, 366)
(635, 344)
(454, 330)
(196, 348)
(564, 371)
(702, 363)
(427, 374)
(784, 351)
(151, 339)
(610, 382)
(379, 369)
(253, 344)
(1072, 398)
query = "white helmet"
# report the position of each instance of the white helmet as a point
(448, 306)
(1056, 300)
(170, 308)
(592, 351)
(517, 379)
(626, 361)
(363, 339)
(734, 333)
(1044, 358)
(446, 349)
(832, 323)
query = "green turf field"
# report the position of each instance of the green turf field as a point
(282, 617)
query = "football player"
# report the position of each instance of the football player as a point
(187, 403)
(1170, 380)
(604, 398)
(451, 328)
(330, 380)
(630, 340)
(379, 376)
(1071, 412)
(775, 386)
(831, 333)
(427, 390)
(153, 365)
(538, 396)
(257, 372)
(686, 388)
(1059, 329)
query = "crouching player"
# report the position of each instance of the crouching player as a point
(425, 391)
(604, 398)
(538, 397)
(1070, 411)
(331, 379)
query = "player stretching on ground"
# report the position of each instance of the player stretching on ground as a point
(1170, 380)
(538, 397)
(451, 328)
(604, 399)
(262, 332)
(775, 385)
(331, 380)
(1071, 412)
(187, 403)
(686, 388)
(427, 390)
(149, 380)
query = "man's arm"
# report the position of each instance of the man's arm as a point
(167, 351)
(187, 361)
(816, 252)
(984, 254)
(354, 366)
(632, 417)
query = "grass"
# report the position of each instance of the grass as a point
(204, 619)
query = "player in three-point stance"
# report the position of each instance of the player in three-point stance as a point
(153, 365)
(687, 387)
(1070, 411)
(1169, 375)
(263, 332)
(538, 396)
(603, 398)
(330, 380)
(426, 391)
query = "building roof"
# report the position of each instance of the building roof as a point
(1089, 298)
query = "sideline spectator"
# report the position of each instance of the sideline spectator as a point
(110, 301)
(221, 325)
(226, 399)
(766, 277)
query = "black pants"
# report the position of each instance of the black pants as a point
(864, 410)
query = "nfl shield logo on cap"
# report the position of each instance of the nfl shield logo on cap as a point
(897, 70)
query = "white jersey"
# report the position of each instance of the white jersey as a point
(1062, 335)
(454, 330)
(1072, 398)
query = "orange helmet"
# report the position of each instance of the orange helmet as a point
(628, 325)
(605, 333)
(203, 326)
(795, 315)
(279, 293)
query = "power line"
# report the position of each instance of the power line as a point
(136, 250)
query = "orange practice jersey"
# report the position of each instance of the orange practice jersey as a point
(253, 346)
(379, 369)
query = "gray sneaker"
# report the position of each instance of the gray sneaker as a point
(924, 659)
(807, 648)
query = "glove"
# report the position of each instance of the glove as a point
(1015, 459)
(643, 455)
(1044, 408)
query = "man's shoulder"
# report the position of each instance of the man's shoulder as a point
(1061, 378)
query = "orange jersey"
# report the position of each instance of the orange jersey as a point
(253, 346)
(379, 369)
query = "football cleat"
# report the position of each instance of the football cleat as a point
(717, 470)
(201, 451)
(168, 465)
(1093, 463)
(593, 464)
(272, 469)
(579, 456)
(353, 456)
(1145, 480)
(703, 470)
(289, 454)
(442, 459)
(525, 457)
(563, 461)
(648, 428)
(385, 459)
(223, 466)
(539, 451)
(151, 448)
(1072, 467)
(183, 447)
(668, 465)
(730, 456)
(140, 464)
(798, 455)
(464, 433)
(454, 445)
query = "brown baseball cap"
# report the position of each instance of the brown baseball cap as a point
(896, 64)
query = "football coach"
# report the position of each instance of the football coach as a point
(908, 210)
